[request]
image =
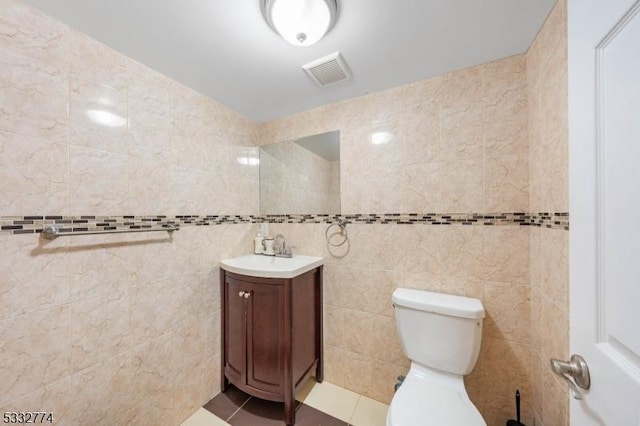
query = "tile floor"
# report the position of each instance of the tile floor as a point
(318, 404)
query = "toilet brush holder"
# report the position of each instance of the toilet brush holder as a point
(517, 421)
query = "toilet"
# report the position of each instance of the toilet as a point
(441, 335)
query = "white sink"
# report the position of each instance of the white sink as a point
(257, 265)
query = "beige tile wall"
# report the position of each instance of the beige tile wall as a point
(457, 143)
(120, 326)
(111, 329)
(548, 136)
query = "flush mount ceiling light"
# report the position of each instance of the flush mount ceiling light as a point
(300, 22)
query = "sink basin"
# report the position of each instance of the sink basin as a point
(257, 265)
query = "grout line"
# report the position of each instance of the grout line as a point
(355, 407)
(239, 408)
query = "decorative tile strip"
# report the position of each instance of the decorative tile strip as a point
(70, 224)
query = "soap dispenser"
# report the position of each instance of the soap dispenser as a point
(257, 243)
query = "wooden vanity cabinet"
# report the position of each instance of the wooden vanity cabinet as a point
(271, 335)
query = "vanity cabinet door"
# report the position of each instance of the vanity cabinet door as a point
(235, 334)
(265, 337)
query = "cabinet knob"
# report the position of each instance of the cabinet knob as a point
(241, 294)
(247, 294)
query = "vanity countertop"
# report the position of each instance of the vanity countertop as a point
(270, 266)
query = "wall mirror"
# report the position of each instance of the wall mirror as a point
(301, 176)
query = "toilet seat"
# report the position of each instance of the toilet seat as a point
(420, 402)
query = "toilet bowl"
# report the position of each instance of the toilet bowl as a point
(441, 335)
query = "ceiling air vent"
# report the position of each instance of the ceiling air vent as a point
(330, 69)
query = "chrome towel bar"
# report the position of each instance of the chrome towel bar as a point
(51, 232)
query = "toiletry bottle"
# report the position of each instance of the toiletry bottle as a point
(257, 243)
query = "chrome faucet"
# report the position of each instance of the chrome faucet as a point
(281, 248)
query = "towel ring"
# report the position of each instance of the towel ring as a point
(342, 224)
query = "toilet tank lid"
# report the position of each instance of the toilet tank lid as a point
(445, 304)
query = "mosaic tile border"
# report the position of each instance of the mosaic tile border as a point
(79, 224)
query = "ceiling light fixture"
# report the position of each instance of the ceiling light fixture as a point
(300, 22)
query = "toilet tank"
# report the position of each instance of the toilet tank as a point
(439, 331)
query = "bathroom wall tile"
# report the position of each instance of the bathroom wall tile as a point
(468, 287)
(553, 31)
(336, 280)
(152, 364)
(333, 325)
(354, 141)
(149, 103)
(358, 374)
(191, 253)
(96, 62)
(555, 267)
(374, 246)
(149, 257)
(211, 291)
(190, 132)
(242, 194)
(555, 400)
(373, 191)
(506, 253)
(515, 64)
(99, 329)
(537, 382)
(34, 277)
(507, 368)
(97, 269)
(103, 392)
(461, 88)
(461, 132)
(384, 147)
(422, 187)
(53, 398)
(422, 137)
(33, 73)
(358, 332)
(98, 182)
(371, 289)
(423, 96)
(508, 311)
(505, 129)
(536, 320)
(188, 303)
(152, 310)
(335, 367)
(46, 336)
(536, 254)
(385, 376)
(555, 340)
(385, 342)
(461, 251)
(34, 173)
(506, 184)
(98, 116)
(189, 195)
(462, 184)
(554, 174)
(423, 250)
(211, 330)
(474, 383)
(188, 381)
(212, 377)
(150, 187)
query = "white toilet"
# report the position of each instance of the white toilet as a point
(441, 335)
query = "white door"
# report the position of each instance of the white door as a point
(604, 132)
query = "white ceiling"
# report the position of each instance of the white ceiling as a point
(224, 48)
